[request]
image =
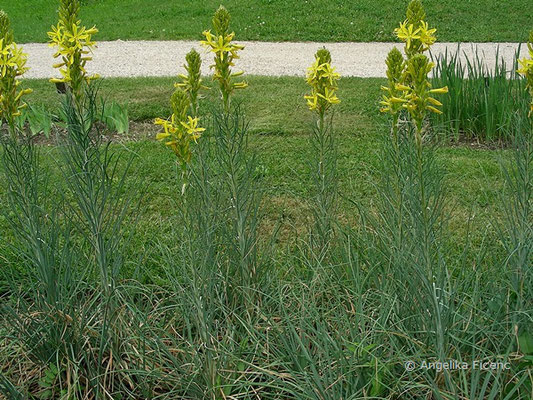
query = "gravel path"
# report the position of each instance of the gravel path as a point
(165, 58)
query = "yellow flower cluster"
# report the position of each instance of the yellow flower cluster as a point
(416, 40)
(74, 43)
(409, 87)
(226, 52)
(12, 66)
(181, 129)
(323, 79)
(526, 69)
(393, 100)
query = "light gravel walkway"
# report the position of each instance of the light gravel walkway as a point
(165, 58)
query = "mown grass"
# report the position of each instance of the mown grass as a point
(280, 124)
(279, 20)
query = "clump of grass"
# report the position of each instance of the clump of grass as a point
(480, 102)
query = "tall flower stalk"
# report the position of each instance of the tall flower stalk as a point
(226, 52)
(74, 44)
(12, 67)
(323, 80)
(409, 92)
(181, 129)
(412, 189)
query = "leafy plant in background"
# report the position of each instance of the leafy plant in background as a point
(323, 80)
(115, 116)
(74, 44)
(12, 66)
(192, 82)
(482, 103)
(37, 119)
(226, 52)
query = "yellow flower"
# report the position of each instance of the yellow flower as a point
(526, 69)
(312, 101)
(441, 90)
(329, 73)
(427, 36)
(313, 71)
(329, 96)
(407, 33)
(192, 128)
(389, 103)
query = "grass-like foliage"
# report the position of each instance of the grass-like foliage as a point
(481, 102)
(237, 314)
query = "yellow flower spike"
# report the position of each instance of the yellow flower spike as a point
(181, 128)
(323, 79)
(226, 52)
(12, 66)
(409, 87)
(192, 82)
(73, 42)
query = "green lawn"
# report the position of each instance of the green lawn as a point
(279, 20)
(280, 123)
